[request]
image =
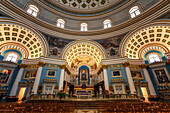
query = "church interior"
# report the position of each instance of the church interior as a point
(85, 56)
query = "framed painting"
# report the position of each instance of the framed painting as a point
(116, 73)
(51, 73)
(161, 75)
(5, 75)
(30, 74)
(137, 74)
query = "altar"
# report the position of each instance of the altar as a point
(84, 94)
(81, 93)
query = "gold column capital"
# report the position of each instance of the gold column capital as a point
(41, 64)
(126, 64)
(63, 66)
(104, 66)
(22, 65)
(143, 66)
(168, 61)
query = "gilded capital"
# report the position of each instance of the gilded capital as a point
(168, 61)
(143, 66)
(104, 67)
(63, 66)
(126, 64)
(22, 65)
(41, 64)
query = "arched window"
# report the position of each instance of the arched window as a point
(12, 57)
(83, 27)
(134, 11)
(154, 58)
(60, 23)
(33, 10)
(107, 23)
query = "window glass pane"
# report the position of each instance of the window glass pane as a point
(29, 11)
(134, 11)
(11, 57)
(33, 10)
(83, 27)
(154, 58)
(60, 23)
(34, 14)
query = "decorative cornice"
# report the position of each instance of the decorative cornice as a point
(41, 64)
(63, 66)
(8, 63)
(23, 65)
(143, 66)
(126, 64)
(104, 66)
(168, 61)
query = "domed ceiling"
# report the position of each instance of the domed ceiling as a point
(83, 3)
(85, 6)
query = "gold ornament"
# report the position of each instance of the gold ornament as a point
(126, 64)
(41, 64)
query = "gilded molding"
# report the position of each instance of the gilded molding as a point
(41, 64)
(126, 64)
(63, 66)
(143, 66)
(22, 65)
(168, 61)
(104, 66)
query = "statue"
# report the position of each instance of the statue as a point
(83, 75)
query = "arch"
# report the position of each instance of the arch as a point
(15, 35)
(156, 33)
(81, 46)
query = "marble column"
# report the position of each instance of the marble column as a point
(37, 78)
(62, 77)
(129, 77)
(148, 79)
(106, 83)
(17, 80)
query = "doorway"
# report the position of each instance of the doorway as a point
(145, 93)
(21, 93)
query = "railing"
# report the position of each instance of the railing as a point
(98, 97)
